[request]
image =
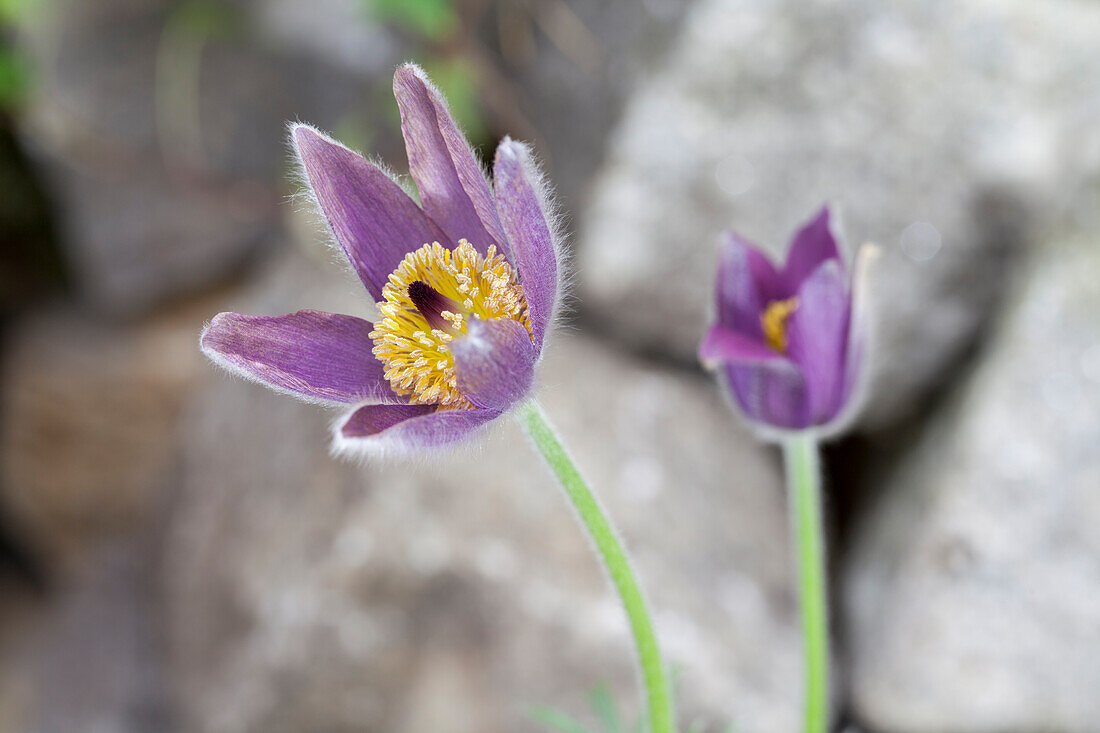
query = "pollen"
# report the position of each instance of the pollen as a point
(774, 322)
(427, 303)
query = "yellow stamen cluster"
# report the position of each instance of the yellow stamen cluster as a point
(774, 322)
(415, 356)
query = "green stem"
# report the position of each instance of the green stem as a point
(804, 489)
(534, 422)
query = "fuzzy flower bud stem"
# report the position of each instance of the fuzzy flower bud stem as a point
(610, 549)
(800, 453)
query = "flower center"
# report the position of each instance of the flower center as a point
(427, 303)
(774, 322)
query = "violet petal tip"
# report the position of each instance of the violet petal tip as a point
(317, 357)
(494, 363)
(402, 431)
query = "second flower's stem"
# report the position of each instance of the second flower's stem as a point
(804, 489)
(611, 552)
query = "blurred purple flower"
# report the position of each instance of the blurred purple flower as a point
(467, 284)
(784, 343)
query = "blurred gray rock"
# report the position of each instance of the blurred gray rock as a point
(160, 130)
(946, 133)
(336, 31)
(87, 655)
(88, 448)
(570, 67)
(89, 427)
(973, 595)
(308, 593)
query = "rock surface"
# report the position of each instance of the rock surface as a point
(972, 591)
(558, 58)
(88, 433)
(946, 134)
(87, 655)
(306, 593)
(160, 130)
(88, 452)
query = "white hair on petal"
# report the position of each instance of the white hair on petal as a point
(433, 89)
(304, 199)
(555, 221)
(861, 336)
(382, 448)
(223, 362)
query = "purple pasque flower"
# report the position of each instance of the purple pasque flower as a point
(784, 343)
(467, 284)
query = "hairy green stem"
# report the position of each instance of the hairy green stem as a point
(800, 455)
(610, 548)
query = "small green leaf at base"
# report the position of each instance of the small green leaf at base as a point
(556, 720)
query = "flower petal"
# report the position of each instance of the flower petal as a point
(747, 282)
(768, 386)
(854, 391)
(817, 335)
(813, 245)
(452, 185)
(770, 392)
(372, 218)
(721, 344)
(494, 363)
(522, 208)
(405, 429)
(315, 356)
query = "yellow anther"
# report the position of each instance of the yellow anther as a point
(414, 356)
(774, 322)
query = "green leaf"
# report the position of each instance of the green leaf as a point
(354, 130)
(204, 19)
(432, 19)
(556, 720)
(603, 704)
(458, 81)
(13, 11)
(14, 78)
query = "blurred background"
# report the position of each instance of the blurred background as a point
(178, 552)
